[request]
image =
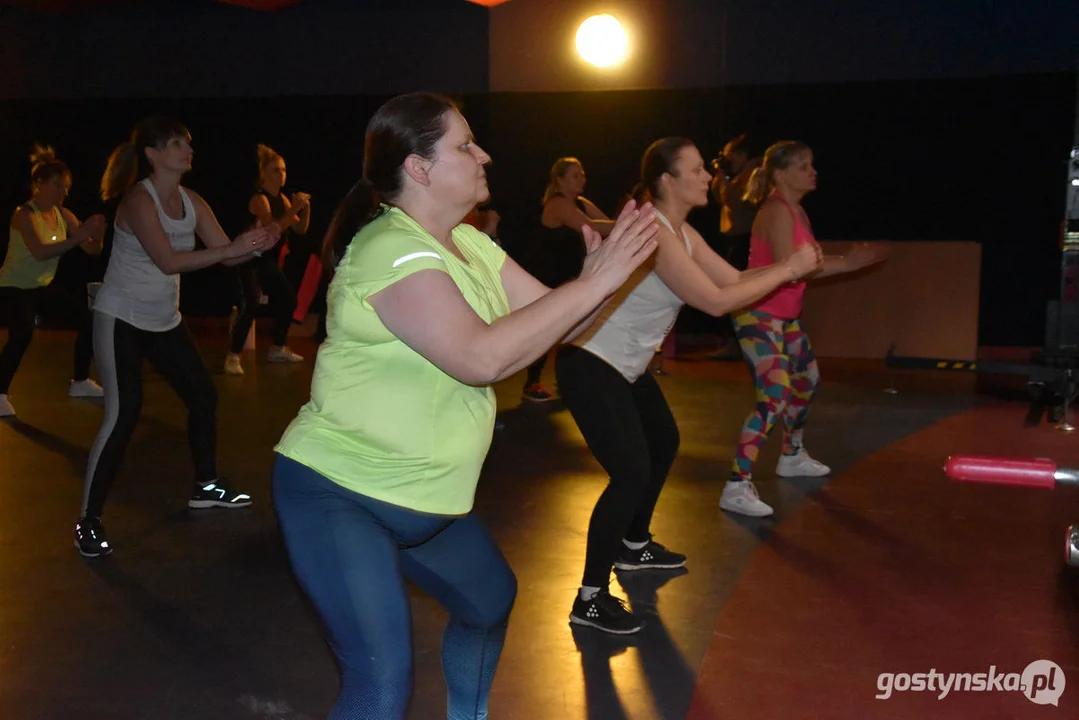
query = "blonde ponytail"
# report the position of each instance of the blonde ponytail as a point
(558, 170)
(266, 155)
(758, 186)
(41, 155)
(44, 164)
(778, 157)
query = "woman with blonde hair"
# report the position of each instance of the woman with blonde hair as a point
(40, 232)
(559, 249)
(270, 208)
(770, 332)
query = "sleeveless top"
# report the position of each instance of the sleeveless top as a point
(135, 290)
(561, 255)
(558, 254)
(277, 208)
(785, 302)
(20, 269)
(635, 321)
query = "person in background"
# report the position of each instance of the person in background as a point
(730, 175)
(559, 247)
(270, 208)
(732, 170)
(40, 232)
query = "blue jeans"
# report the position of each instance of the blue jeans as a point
(352, 555)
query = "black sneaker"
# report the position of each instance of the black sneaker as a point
(90, 538)
(217, 494)
(605, 612)
(652, 555)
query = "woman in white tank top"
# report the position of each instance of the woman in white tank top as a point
(617, 405)
(137, 312)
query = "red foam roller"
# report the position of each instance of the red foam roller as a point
(1038, 473)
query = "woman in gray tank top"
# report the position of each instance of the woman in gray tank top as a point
(137, 313)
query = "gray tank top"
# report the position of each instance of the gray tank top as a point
(636, 320)
(135, 290)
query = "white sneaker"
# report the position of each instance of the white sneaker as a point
(742, 498)
(85, 389)
(232, 365)
(801, 465)
(283, 355)
(6, 410)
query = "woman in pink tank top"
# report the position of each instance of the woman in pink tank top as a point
(769, 331)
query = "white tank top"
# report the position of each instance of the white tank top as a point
(635, 321)
(135, 290)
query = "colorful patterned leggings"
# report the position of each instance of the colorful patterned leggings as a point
(786, 376)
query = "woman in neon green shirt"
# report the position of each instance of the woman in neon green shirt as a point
(375, 477)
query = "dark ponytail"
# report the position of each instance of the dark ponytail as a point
(658, 160)
(128, 163)
(406, 125)
(360, 206)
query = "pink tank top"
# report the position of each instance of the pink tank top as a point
(785, 301)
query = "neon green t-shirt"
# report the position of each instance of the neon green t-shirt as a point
(382, 419)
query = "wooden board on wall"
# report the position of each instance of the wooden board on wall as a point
(924, 300)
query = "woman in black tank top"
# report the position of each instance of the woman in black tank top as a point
(558, 248)
(269, 207)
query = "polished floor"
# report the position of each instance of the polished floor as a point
(886, 568)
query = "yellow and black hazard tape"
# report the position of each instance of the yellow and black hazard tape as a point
(956, 365)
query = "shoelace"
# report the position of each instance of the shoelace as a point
(654, 546)
(609, 602)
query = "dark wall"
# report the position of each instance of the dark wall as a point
(200, 48)
(978, 159)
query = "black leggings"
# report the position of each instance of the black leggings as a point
(630, 430)
(263, 273)
(535, 371)
(23, 307)
(120, 349)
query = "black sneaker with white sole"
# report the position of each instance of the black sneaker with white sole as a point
(90, 538)
(605, 612)
(217, 494)
(652, 555)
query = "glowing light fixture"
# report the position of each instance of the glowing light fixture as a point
(602, 41)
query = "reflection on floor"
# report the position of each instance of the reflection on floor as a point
(884, 568)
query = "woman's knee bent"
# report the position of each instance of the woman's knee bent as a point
(491, 610)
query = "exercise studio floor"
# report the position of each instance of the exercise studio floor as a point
(882, 572)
